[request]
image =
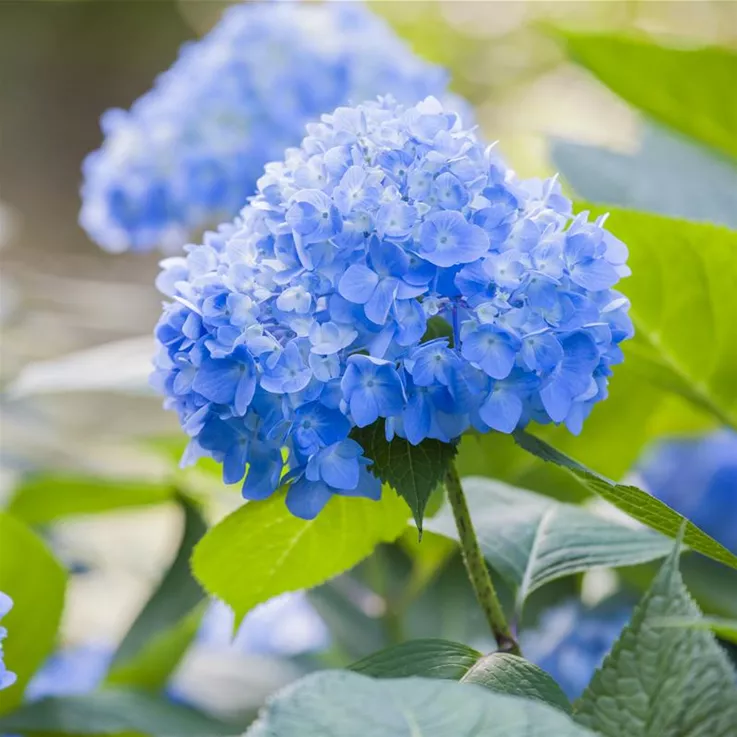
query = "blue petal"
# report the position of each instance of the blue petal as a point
(381, 301)
(358, 284)
(306, 499)
(502, 410)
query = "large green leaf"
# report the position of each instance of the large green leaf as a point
(513, 675)
(113, 712)
(684, 307)
(262, 550)
(669, 175)
(531, 540)
(427, 658)
(687, 89)
(662, 681)
(635, 502)
(414, 471)
(342, 704)
(163, 630)
(48, 497)
(36, 582)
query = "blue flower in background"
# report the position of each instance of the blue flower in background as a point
(71, 671)
(570, 643)
(283, 627)
(7, 678)
(698, 478)
(189, 152)
(336, 277)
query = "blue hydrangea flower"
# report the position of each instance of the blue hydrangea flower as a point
(307, 316)
(7, 678)
(189, 152)
(698, 478)
(570, 643)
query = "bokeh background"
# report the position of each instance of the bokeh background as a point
(61, 65)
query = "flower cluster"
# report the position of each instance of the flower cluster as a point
(188, 153)
(698, 478)
(7, 678)
(315, 311)
(570, 642)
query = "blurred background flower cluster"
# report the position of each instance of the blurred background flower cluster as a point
(61, 66)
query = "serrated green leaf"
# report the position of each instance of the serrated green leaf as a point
(669, 175)
(49, 497)
(660, 681)
(684, 307)
(635, 502)
(343, 704)
(515, 676)
(687, 89)
(413, 471)
(532, 540)
(430, 658)
(262, 550)
(150, 651)
(111, 712)
(36, 582)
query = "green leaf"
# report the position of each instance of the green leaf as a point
(262, 550)
(36, 582)
(687, 89)
(112, 711)
(635, 502)
(337, 704)
(414, 471)
(151, 668)
(683, 307)
(48, 497)
(452, 661)
(668, 175)
(428, 658)
(532, 540)
(149, 651)
(726, 629)
(662, 681)
(510, 674)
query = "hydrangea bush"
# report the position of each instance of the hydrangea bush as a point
(314, 311)
(189, 152)
(385, 307)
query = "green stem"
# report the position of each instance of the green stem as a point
(476, 568)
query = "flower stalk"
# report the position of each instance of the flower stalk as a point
(478, 573)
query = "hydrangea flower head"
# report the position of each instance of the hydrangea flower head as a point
(570, 643)
(313, 312)
(698, 478)
(189, 152)
(7, 678)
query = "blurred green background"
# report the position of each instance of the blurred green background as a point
(63, 63)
